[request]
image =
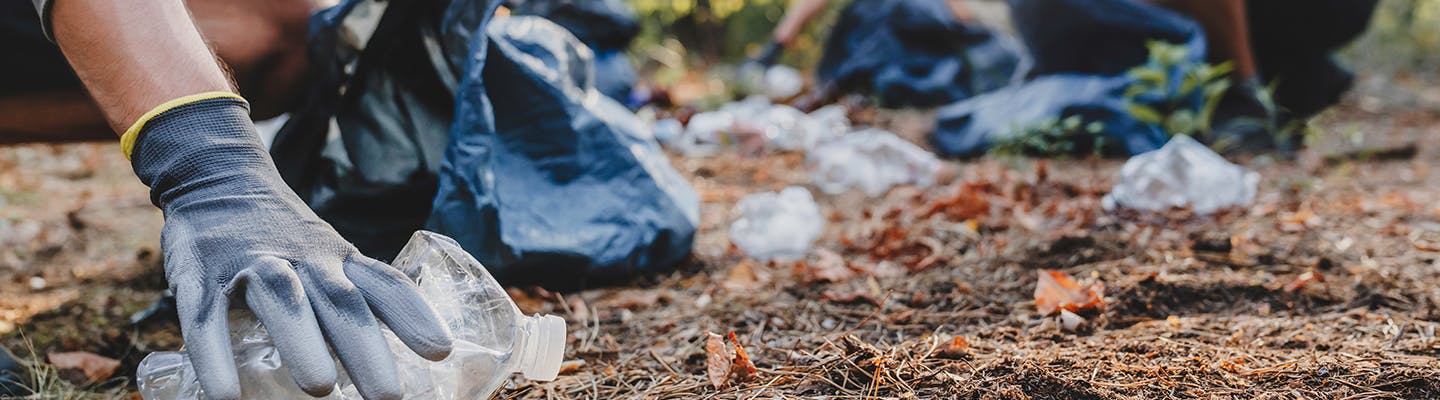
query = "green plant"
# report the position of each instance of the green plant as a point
(1054, 137)
(1175, 93)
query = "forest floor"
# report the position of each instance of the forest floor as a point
(1326, 287)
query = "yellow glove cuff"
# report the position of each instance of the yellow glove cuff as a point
(127, 140)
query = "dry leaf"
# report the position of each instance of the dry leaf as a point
(1302, 280)
(741, 368)
(956, 349)
(828, 267)
(82, 368)
(1056, 291)
(571, 366)
(743, 276)
(1299, 220)
(718, 360)
(726, 364)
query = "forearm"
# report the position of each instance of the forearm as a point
(135, 55)
(796, 17)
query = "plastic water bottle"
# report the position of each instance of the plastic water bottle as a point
(493, 339)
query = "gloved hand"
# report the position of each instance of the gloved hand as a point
(234, 230)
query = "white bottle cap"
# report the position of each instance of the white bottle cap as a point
(545, 349)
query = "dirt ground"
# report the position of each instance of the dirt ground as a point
(1325, 288)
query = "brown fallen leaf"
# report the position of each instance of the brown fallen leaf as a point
(727, 363)
(1056, 291)
(743, 276)
(1302, 280)
(83, 368)
(1299, 220)
(718, 360)
(956, 349)
(970, 203)
(829, 266)
(571, 366)
(741, 368)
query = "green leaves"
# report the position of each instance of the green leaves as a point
(1053, 138)
(1173, 93)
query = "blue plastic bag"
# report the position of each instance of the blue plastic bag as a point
(914, 53)
(1082, 50)
(495, 137)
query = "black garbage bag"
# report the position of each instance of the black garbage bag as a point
(489, 133)
(606, 26)
(1294, 43)
(914, 53)
(1082, 50)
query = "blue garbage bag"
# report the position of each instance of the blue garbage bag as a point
(554, 185)
(606, 26)
(494, 137)
(1082, 50)
(914, 53)
(968, 128)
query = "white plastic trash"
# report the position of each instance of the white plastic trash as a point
(492, 340)
(872, 160)
(783, 82)
(1184, 173)
(777, 226)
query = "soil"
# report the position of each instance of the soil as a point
(1325, 287)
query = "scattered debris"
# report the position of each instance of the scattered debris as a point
(727, 363)
(751, 126)
(571, 366)
(1056, 291)
(783, 82)
(1302, 280)
(957, 348)
(828, 266)
(872, 160)
(777, 226)
(83, 368)
(1184, 173)
(1070, 321)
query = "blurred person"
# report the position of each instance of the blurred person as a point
(234, 231)
(1287, 43)
(921, 53)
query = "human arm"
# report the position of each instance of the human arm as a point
(233, 229)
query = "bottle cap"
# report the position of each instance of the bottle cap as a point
(544, 357)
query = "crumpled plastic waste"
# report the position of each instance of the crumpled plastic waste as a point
(872, 160)
(493, 340)
(783, 82)
(778, 226)
(1183, 173)
(754, 125)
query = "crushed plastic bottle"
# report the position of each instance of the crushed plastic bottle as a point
(777, 226)
(493, 339)
(1183, 173)
(872, 160)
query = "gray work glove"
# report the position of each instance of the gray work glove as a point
(235, 231)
